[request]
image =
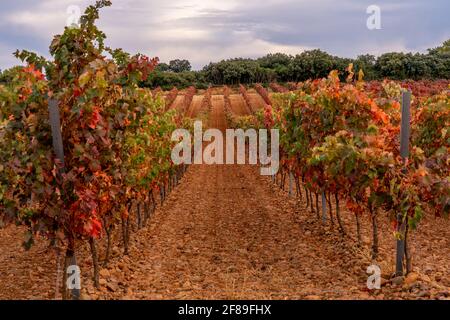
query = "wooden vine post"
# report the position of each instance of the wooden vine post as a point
(324, 207)
(291, 183)
(70, 264)
(402, 220)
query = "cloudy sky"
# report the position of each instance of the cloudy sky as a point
(211, 30)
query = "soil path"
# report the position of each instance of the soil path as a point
(238, 105)
(178, 103)
(256, 101)
(196, 106)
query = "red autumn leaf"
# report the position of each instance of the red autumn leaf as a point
(93, 228)
(95, 118)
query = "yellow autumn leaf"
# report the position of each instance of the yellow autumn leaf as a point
(84, 79)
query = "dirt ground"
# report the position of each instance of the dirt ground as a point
(196, 106)
(238, 105)
(178, 103)
(256, 101)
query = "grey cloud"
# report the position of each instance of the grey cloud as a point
(337, 27)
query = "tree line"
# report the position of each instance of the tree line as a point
(312, 64)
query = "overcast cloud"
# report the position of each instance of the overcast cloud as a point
(210, 30)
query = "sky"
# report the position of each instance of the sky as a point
(204, 31)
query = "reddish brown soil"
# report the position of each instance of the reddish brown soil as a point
(256, 101)
(25, 275)
(178, 103)
(195, 107)
(217, 119)
(238, 105)
(429, 244)
(217, 90)
(230, 237)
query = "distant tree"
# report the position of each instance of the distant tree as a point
(272, 60)
(278, 63)
(163, 67)
(392, 65)
(444, 49)
(439, 61)
(168, 80)
(366, 63)
(311, 65)
(8, 74)
(417, 67)
(399, 66)
(178, 65)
